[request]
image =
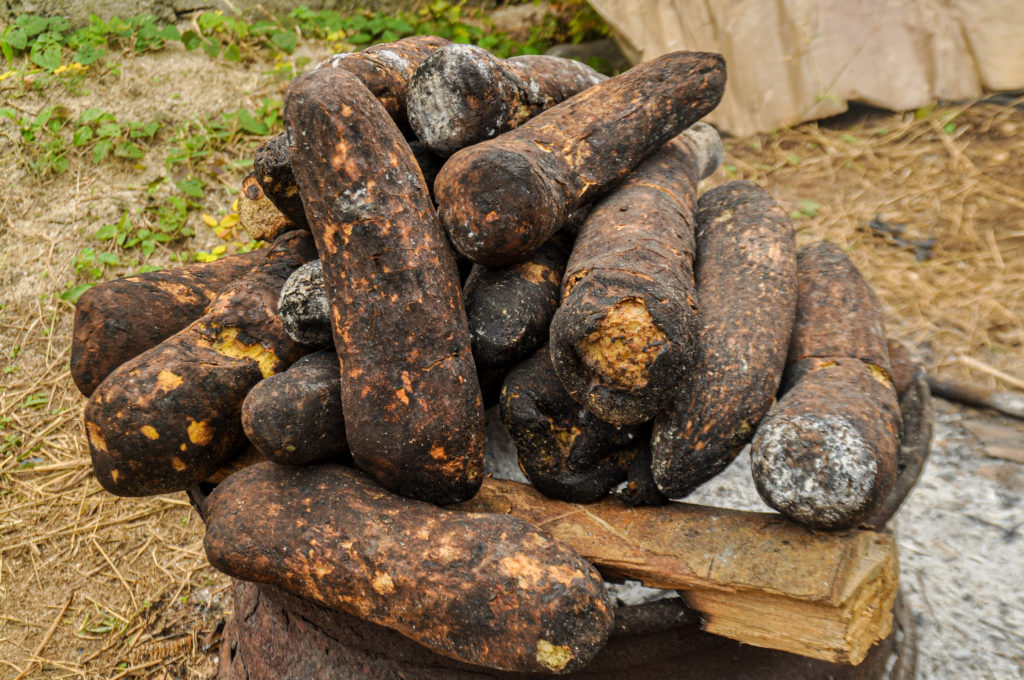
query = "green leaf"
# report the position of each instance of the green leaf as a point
(46, 55)
(87, 54)
(31, 24)
(106, 232)
(232, 53)
(250, 124)
(211, 46)
(190, 39)
(360, 38)
(128, 150)
(209, 20)
(59, 164)
(100, 151)
(108, 130)
(16, 38)
(89, 115)
(285, 41)
(191, 186)
(82, 135)
(35, 400)
(148, 246)
(109, 259)
(143, 129)
(72, 294)
(58, 24)
(169, 32)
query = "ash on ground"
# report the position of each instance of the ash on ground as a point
(959, 534)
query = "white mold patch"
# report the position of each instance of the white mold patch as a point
(818, 469)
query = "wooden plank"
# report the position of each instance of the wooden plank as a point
(755, 577)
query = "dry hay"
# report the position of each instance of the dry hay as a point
(93, 586)
(949, 174)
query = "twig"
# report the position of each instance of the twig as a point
(991, 370)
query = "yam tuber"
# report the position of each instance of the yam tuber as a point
(501, 199)
(412, 404)
(169, 418)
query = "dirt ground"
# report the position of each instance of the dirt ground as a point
(93, 586)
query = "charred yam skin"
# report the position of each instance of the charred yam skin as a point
(640, 488)
(502, 199)
(117, 320)
(170, 417)
(838, 314)
(625, 333)
(904, 369)
(273, 169)
(486, 589)
(509, 309)
(566, 452)
(386, 70)
(260, 218)
(463, 94)
(304, 308)
(825, 455)
(412, 404)
(746, 287)
(295, 417)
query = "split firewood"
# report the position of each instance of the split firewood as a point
(295, 417)
(257, 214)
(746, 288)
(304, 308)
(117, 320)
(825, 454)
(564, 450)
(502, 199)
(412, 404)
(509, 309)
(169, 418)
(386, 70)
(626, 330)
(754, 577)
(463, 94)
(486, 589)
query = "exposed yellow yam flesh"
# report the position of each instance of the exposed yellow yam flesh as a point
(625, 344)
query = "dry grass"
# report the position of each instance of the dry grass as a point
(964, 307)
(93, 586)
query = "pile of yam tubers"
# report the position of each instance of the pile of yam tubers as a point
(449, 230)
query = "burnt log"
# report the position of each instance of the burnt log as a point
(509, 309)
(275, 636)
(386, 70)
(257, 214)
